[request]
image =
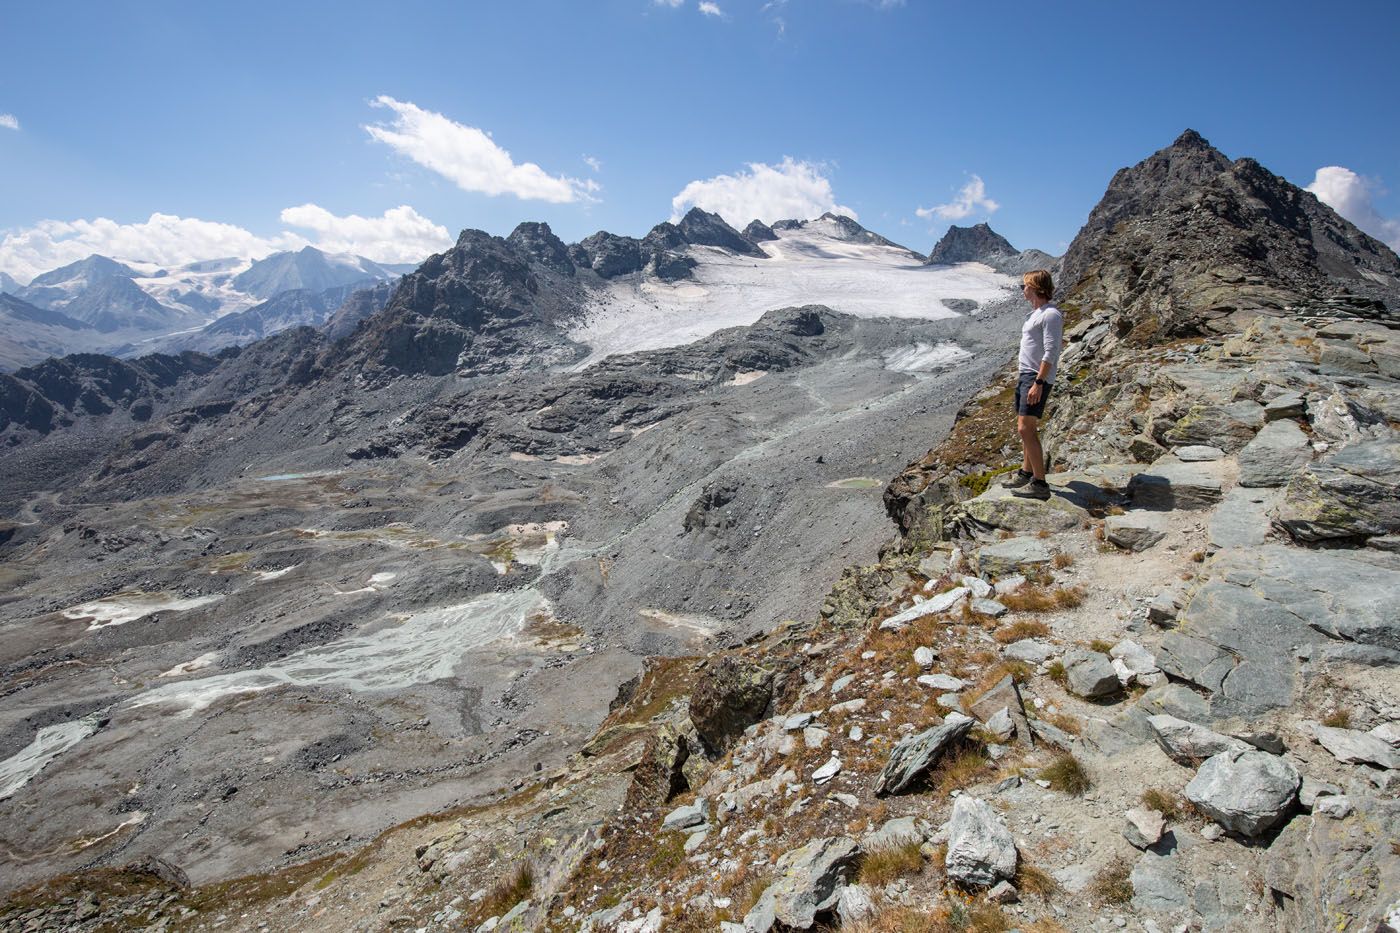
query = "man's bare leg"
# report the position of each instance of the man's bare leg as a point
(1033, 456)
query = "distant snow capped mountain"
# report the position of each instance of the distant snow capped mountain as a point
(29, 333)
(982, 244)
(311, 270)
(100, 291)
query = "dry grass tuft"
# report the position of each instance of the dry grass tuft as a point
(956, 916)
(1062, 560)
(1032, 880)
(509, 891)
(882, 865)
(1199, 557)
(1112, 885)
(1037, 598)
(1026, 628)
(1056, 672)
(960, 767)
(1172, 806)
(1064, 721)
(1067, 775)
(1338, 719)
(1101, 646)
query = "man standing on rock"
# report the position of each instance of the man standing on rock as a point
(1041, 341)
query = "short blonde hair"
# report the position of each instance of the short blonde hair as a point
(1039, 279)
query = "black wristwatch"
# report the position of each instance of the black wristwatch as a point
(1041, 382)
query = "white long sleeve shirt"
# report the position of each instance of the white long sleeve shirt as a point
(1042, 338)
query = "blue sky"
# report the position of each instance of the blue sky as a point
(383, 128)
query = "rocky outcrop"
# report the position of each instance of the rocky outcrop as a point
(1187, 236)
(539, 245)
(980, 243)
(733, 696)
(701, 228)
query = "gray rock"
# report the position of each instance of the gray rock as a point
(1158, 884)
(694, 814)
(1052, 734)
(1145, 827)
(941, 682)
(1310, 791)
(1007, 585)
(912, 757)
(1228, 426)
(998, 509)
(1001, 558)
(1000, 724)
(1003, 892)
(1187, 743)
(895, 833)
(924, 657)
(1004, 697)
(1337, 874)
(989, 607)
(854, 904)
(1270, 742)
(1247, 792)
(1136, 531)
(1277, 452)
(1355, 747)
(1388, 733)
(1197, 453)
(1030, 650)
(981, 851)
(1337, 807)
(809, 882)
(1349, 493)
(1170, 484)
(979, 588)
(1090, 674)
(943, 602)
(1135, 661)
(1243, 518)
(1288, 405)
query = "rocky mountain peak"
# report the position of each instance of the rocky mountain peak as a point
(539, 244)
(977, 243)
(1187, 236)
(92, 268)
(701, 228)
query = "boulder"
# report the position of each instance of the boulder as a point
(981, 851)
(1277, 452)
(989, 607)
(733, 695)
(1187, 743)
(1354, 747)
(660, 774)
(1002, 710)
(1029, 650)
(998, 509)
(1170, 484)
(941, 682)
(895, 833)
(1090, 674)
(1352, 492)
(688, 817)
(1145, 827)
(854, 904)
(924, 657)
(1135, 531)
(1329, 874)
(1006, 557)
(912, 757)
(810, 880)
(1247, 792)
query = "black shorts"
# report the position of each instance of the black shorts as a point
(1023, 385)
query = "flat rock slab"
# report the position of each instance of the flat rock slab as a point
(1247, 792)
(1188, 743)
(1243, 518)
(1030, 650)
(1288, 405)
(1170, 484)
(1006, 557)
(931, 606)
(981, 851)
(998, 509)
(911, 758)
(1136, 531)
(1355, 747)
(1196, 453)
(1228, 426)
(1349, 493)
(1239, 635)
(1275, 455)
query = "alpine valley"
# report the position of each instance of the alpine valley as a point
(669, 583)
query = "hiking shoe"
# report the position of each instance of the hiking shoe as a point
(1018, 479)
(1035, 489)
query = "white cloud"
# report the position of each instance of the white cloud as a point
(1350, 195)
(9, 121)
(711, 9)
(673, 4)
(163, 238)
(594, 164)
(972, 198)
(469, 158)
(792, 190)
(400, 235)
